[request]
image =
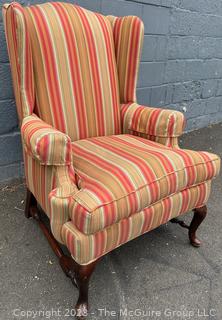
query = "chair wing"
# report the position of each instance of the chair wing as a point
(20, 57)
(160, 125)
(128, 33)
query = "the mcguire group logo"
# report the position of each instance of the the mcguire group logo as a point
(167, 313)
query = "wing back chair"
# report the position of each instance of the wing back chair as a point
(103, 168)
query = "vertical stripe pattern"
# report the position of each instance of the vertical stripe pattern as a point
(128, 33)
(75, 70)
(20, 57)
(44, 143)
(40, 180)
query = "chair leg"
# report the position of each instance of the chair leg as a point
(199, 216)
(83, 275)
(30, 202)
(79, 274)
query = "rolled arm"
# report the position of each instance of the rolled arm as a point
(160, 125)
(52, 147)
(44, 143)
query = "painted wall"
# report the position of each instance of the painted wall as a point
(181, 65)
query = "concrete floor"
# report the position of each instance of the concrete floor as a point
(157, 273)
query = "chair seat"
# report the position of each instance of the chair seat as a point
(123, 174)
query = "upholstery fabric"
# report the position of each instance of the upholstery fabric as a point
(120, 175)
(60, 200)
(128, 33)
(40, 180)
(45, 182)
(160, 125)
(86, 248)
(74, 76)
(46, 144)
(20, 57)
(74, 68)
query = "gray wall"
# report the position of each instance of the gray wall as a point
(181, 65)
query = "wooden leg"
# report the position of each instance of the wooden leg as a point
(82, 278)
(79, 274)
(199, 216)
(30, 202)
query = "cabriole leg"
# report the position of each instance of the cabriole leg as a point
(80, 276)
(199, 216)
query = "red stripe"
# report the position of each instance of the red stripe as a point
(14, 26)
(153, 121)
(140, 163)
(116, 35)
(168, 167)
(50, 64)
(29, 86)
(209, 164)
(170, 129)
(202, 195)
(135, 118)
(133, 61)
(95, 70)
(112, 168)
(189, 166)
(109, 50)
(104, 196)
(74, 69)
(185, 195)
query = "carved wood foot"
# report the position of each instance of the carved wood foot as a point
(80, 276)
(199, 216)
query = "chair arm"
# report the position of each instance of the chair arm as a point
(152, 122)
(44, 143)
(61, 199)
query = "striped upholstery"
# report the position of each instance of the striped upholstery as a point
(120, 175)
(43, 180)
(160, 125)
(75, 73)
(40, 180)
(74, 76)
(128, 35)
(60, 200)
(46, 144)
(86, 248)
(20, 56)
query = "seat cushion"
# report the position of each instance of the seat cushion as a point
(87, 248)
(124, 174)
